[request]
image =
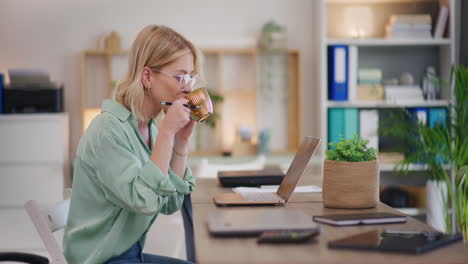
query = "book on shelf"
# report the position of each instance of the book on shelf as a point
(338, 72)
(368, 126)
(353, 73)
(411, 19)
(409, 26)
(403, 93)
(369, 76)
(391, 157)
(441, 22)
(370, 85)
(370, 93)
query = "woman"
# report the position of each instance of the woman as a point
(126, 170)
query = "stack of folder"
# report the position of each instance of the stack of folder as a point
(409, 26)
(370, 85)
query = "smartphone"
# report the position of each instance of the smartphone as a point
(288, 236)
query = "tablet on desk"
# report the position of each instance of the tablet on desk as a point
(362, 218)
(396, 241)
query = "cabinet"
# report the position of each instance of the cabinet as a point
(33, 166)
(231, 73)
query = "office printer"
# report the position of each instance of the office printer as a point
(31, 91)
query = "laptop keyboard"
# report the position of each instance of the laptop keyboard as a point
(260, 196)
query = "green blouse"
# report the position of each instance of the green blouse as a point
(117, 190)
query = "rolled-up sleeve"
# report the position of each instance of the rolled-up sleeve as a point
(140, 188)
(185, 185)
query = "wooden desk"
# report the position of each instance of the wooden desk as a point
(245, 250)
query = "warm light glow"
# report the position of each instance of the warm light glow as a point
(358, 21)
(88, 115)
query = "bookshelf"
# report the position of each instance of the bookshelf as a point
(235, 74)
(91, 71)
(231, 72)
(391, 55)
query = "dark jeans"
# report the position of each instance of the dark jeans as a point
(135, 255)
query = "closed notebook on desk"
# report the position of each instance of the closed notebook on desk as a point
(249, 222)
(358, 219)
(251, 178)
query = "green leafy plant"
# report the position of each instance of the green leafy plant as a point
(441, 145)
(215, 98)
(354, 150)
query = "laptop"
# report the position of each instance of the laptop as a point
(287, 186)
(250, 222)
(251, 178)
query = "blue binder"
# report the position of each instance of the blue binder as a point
(336, 125)
(437, 116)
(351, 120)
(338, 56)
(419, 114)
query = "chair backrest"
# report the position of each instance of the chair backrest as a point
(47, 221)
(210, 170)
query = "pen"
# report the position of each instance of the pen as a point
(186, 105)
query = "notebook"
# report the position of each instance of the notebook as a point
(397, 241)
(286, 188)
(247, 222)
(362, 218)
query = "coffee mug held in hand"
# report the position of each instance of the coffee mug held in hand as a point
(200, 97)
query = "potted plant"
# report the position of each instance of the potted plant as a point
(351, 175)
(443, 148)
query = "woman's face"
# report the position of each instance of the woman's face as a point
(166, 84)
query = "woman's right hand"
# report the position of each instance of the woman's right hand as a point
(177, 116)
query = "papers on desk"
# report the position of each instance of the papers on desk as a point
(274, 188)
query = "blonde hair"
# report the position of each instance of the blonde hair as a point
(155, 47)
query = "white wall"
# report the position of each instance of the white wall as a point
(50, 34)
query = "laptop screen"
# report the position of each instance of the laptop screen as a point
(298, 166)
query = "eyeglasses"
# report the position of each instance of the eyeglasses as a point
(185, 80)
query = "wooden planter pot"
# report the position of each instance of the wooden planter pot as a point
(350, 185)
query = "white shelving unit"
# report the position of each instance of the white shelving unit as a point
(391, 55)
(383, 104)
(389, 42)
(443, 49)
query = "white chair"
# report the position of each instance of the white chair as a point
(47, 221)
(167, 236)
(210, 170)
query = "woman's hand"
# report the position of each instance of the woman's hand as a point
(185, 132)
(177, 117)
